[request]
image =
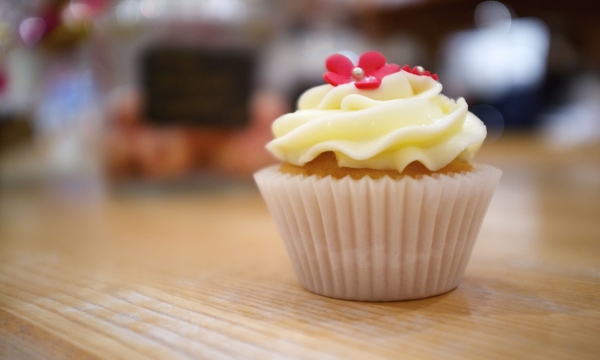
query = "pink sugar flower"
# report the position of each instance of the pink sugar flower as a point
(371, 68)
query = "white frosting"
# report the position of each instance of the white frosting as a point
(406, 119)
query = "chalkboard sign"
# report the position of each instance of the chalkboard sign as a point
(197, 87)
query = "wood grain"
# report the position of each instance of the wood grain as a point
(201, 273)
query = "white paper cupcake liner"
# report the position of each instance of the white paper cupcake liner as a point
(379, 240)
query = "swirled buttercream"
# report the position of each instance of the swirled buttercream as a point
(406, 119)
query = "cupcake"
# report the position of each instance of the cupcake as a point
(377, 198)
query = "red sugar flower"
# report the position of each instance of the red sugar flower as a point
(371, 68)
(418, 70)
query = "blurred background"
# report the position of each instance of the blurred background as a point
(122, 92)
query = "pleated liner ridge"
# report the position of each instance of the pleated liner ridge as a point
(379, 240)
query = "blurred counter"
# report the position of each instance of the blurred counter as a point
(201, 273)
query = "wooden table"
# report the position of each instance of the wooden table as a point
(201, 273)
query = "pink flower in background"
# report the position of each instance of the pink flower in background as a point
(371, 68)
